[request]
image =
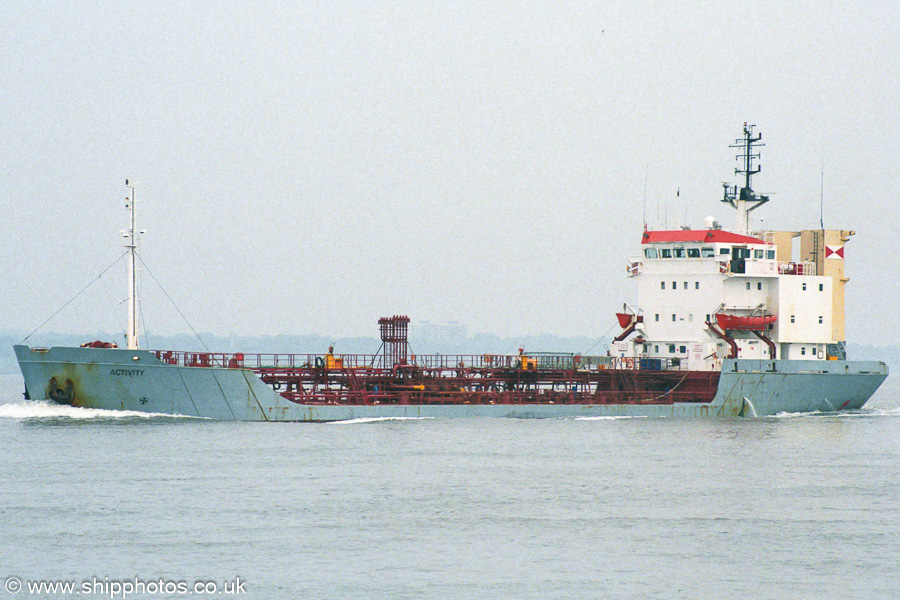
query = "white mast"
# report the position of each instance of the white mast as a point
(131, 236)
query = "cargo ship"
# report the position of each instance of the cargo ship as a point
(729, 323)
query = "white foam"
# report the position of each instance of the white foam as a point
(795, 415)
(864, 412)
(376, 420)
(869, 412)
(41, 409)
(611, 418)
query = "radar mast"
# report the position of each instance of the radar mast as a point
(744, 199)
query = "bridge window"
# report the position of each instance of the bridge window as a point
(757, 254)
(674, 285)
(672, 348)
(792, 318)
(821, 287)
(657, 316)
(804, 287)
(759, 285)
(821, 320)
(665, 253)
(725, 251)
(650, 252)
(682, 349)
(679, 252)
(673, 316)
(707, 252)
(770, 254)
(696, 285)
(803, 350)
(662, 285)
(748, 285)
(693, 252)
(685, 285)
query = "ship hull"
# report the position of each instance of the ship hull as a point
(136, 380)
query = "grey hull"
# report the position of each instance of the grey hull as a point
(118, 379)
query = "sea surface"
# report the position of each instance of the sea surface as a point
(800, 506)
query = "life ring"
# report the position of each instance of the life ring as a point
(276, 385)
(320, 362)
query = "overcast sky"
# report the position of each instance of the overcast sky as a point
(308, 167)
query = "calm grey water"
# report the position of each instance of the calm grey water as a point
(783, 507)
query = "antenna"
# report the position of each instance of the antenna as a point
(745, 199)
(646, 175)
(747, 144)
(131, 236)
(822, 195)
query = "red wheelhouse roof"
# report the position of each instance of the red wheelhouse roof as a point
(709, 236)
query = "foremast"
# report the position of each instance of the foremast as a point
(132, 236)
(744, 199)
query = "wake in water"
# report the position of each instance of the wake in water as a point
(610, 418)
(377, 420)
(42, 409)
(844, 414)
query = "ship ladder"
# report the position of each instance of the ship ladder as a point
(356, 388)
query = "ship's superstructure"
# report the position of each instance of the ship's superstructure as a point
(707, 295)
(728, 323)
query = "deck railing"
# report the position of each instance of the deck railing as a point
(797, 268)
(434, 362)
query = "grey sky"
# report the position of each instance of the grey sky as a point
(308, 167)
